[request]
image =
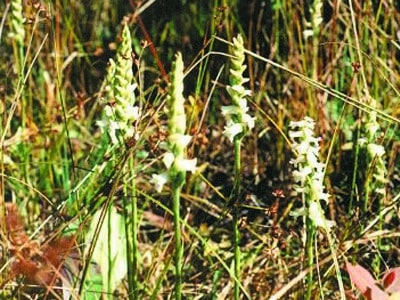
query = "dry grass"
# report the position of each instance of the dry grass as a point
(58, 169)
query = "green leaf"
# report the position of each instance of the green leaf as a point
(110, 251)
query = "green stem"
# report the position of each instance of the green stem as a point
(310, 227)
(336, 264)
(236, 241)
(135, 251)
(110, 273)
(356, 149)
(236, 232)
(176, 191)
(131, 230)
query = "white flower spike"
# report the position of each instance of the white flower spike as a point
(237, 119)
(309, 171)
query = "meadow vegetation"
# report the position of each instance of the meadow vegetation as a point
(223, 149)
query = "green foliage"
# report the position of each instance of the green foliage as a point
(109, 254)
(67, 67)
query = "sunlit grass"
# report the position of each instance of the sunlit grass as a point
(70, 177)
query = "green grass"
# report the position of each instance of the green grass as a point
(70, 181)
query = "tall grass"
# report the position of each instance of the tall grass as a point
(95, 144)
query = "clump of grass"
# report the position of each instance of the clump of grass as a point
(369, 151)
(50, 150)
(17, 36)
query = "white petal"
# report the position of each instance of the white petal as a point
(232, 130)
(109, 111)
(301, 174)
(376, 150)
(112, 131)
(229, 110)
(243, 105)
(132, 87)
(186, 165)
(168, 159)
(181, 140)
(307, 33)
(159, 180)
(249, 121)
(132, 112)
(316, 214)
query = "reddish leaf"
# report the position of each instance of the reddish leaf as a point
(377, 294)
(391, 280)
(365, 283)
(360, 277)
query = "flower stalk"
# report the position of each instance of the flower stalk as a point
(175, 160)
(309, 175)
(238, 123)
(118, 122)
